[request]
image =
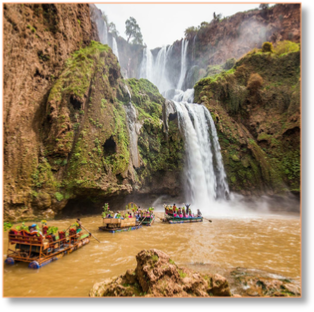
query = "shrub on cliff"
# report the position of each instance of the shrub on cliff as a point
(286, 46)
(190, 32)
(229, 63)
(267, 47)
(254, 83)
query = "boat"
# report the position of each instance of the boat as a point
(176, 220)
(116, 225)
(38, 250)
(147, 221)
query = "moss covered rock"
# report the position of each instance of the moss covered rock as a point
(256, 109)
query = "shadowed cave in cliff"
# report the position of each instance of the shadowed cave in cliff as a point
(75, 102)
(110, 147)
(93, 204)
(172, 116)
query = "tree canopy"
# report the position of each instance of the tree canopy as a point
(113, 29)
(133, 30)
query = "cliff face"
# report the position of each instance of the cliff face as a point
(256, 109)
(38, 38)
(65, 124)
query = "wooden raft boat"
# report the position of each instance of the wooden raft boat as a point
(113, 225)
(38, 251)
(176, 220)
(147, 221)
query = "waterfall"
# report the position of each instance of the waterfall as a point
(102, 30)
(184, 47)
(204, 172)
(193, 48)
(134, 129)
(146, 70)
(156, 70)
(115, 47)
(184, 96)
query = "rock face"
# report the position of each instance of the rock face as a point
(234, 36)
(66, 129)
(156, 275)
(38, 39)
(256, 109)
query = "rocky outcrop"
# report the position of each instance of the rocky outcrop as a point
(157, 275)
(256, 109)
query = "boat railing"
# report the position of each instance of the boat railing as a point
(45, 247)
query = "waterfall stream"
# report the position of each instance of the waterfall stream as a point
(204, 171)
(134, 127)
(183, 63)
(115, 48)
(204, 174)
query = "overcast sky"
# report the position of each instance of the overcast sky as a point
(162, 24)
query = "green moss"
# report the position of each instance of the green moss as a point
(59, 196)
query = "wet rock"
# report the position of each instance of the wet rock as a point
(220, 286)
(157, 275)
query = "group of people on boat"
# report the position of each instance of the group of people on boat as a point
(181, 212)
(138, 214)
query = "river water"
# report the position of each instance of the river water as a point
(263, 242)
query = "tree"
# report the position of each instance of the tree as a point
(132, 29)
(217, 17)
(112, 29)
(264, 6)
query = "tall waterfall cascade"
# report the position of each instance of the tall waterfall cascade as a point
(133, 128)
(115, 47)
(183, 63)
(156, 69)
(204, 175)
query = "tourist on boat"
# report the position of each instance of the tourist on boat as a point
(180, 213)
(174, 210)
(183, 212)
(187, 207)
(130, 215)
(199, 214)
(78, 225)
(190, 214)
(33, 229)
(116, 214)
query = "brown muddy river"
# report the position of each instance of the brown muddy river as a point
(269, 242)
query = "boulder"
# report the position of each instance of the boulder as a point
(157, 275)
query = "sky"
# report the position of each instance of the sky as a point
(162, 24)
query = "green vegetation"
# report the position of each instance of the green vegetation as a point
(182, 274)
(59, 196)
(7, 226)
